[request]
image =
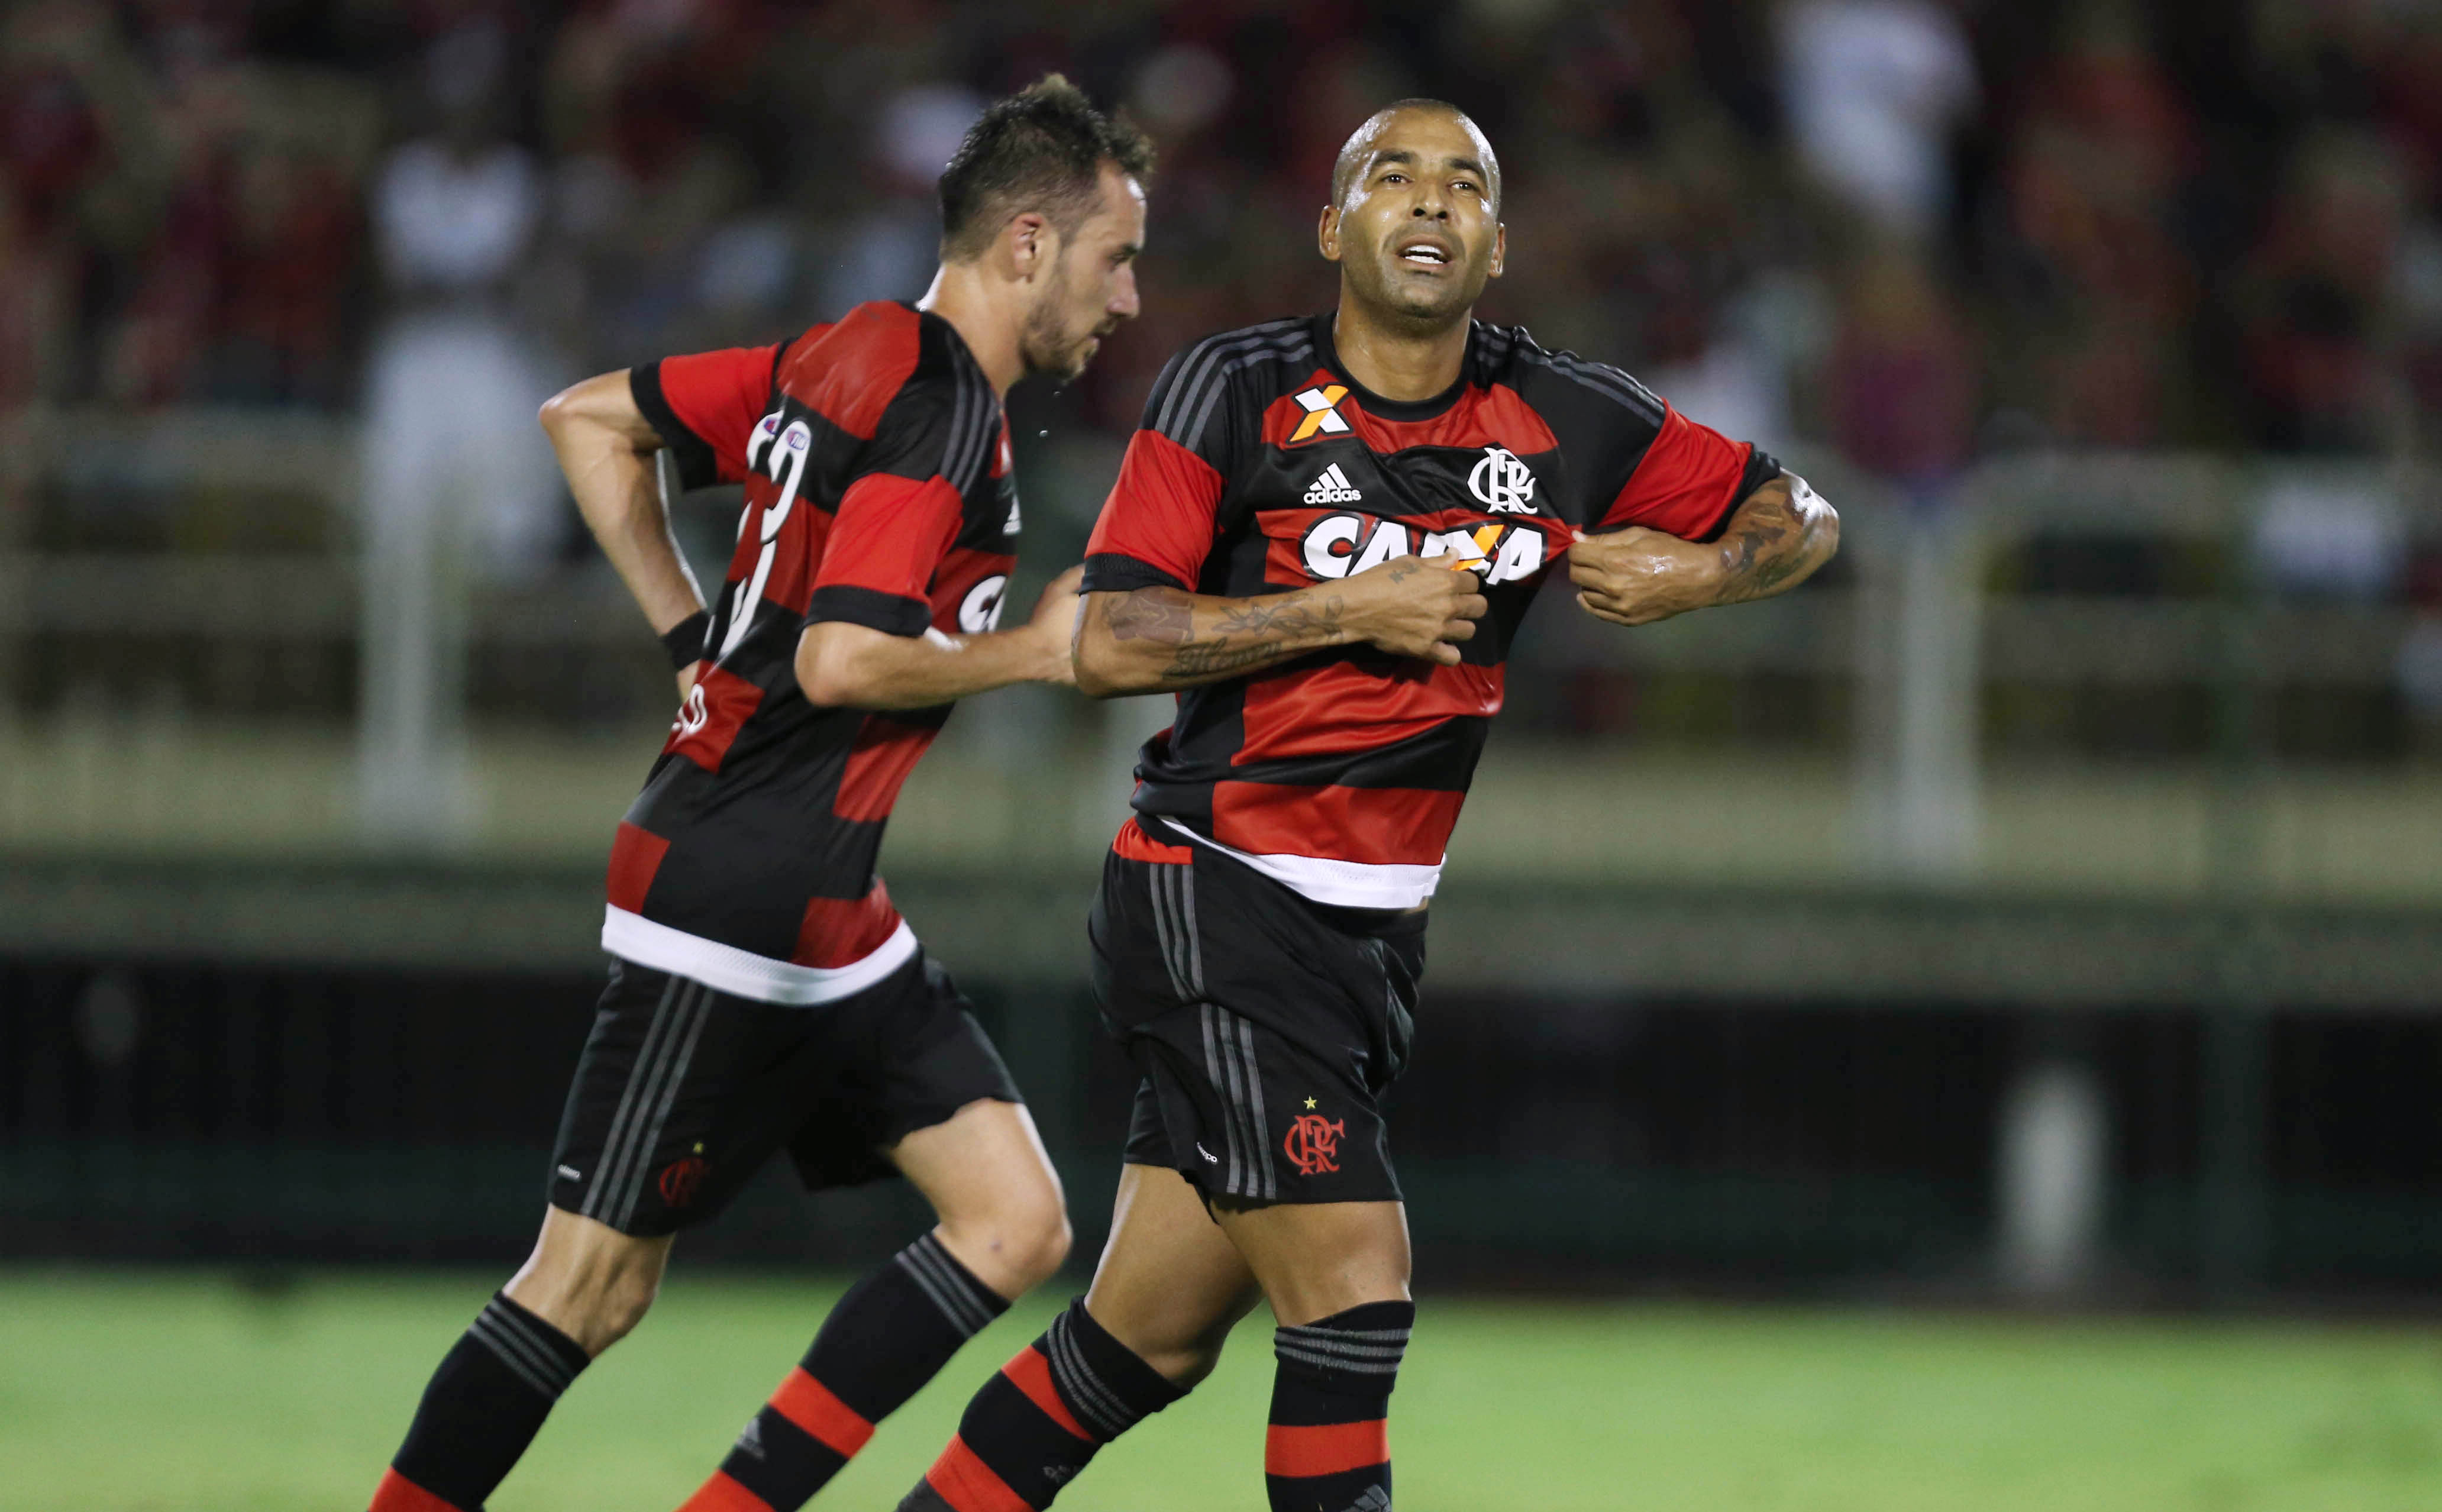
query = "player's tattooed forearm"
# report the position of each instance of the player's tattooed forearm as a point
(1204, 659)
(1249, 636)
(1163, 614)
(1291, 616)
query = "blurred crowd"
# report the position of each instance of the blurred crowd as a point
(1917, 230)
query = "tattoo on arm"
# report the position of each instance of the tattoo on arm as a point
(1163, 614)
(1241, 636)
(1254, 634)
(1774, 540)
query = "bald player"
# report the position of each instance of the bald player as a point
(1324, 539)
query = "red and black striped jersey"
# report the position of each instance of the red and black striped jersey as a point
(1262, 467)
(876, 465)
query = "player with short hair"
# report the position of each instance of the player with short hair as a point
(764, 993)
(1259, 936)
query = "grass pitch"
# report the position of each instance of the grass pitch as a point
(182, 1392)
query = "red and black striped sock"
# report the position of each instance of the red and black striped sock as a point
(885, 1339)
(484, 1405)
(1033, 1426)
(1328, 1449)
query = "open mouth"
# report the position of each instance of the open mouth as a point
(1425, 254)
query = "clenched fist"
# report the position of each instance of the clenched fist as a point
(1416, 606)
(1636, 577)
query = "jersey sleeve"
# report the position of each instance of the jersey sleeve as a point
(1158, 525)
(1687, 480)
(903, 509)
(704, 407)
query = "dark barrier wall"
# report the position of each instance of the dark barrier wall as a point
(291, 1115)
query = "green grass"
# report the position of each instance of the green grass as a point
(179, 1393)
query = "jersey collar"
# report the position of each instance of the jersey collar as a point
(1375, 404)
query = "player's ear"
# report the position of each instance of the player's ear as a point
(1030, 245)
(1500, 247)
(1327, 234)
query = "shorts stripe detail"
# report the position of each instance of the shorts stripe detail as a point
(1231, 1130)
(1229, 1060)
(1256, 1123)
(646, 1054)
(1174, 924)
(964, 1481)
(1186, 886)
(644, 1106)
(931, 1269)
(645, 1087)
(698, 1012)
(1097, 1406)
(1334, 1449)
(809, 1404)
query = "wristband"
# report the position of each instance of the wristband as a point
(685, 639)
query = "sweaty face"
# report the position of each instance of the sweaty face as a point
(1091, 285)
(1416, 235)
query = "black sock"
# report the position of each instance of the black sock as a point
(1328, 1449)
(885, 1339)
(482, 1408)
(1033, 1426)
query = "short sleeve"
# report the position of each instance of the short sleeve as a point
(704, 407)
(1689, 480)
(904, 508)
(1157, 525)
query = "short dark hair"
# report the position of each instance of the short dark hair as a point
(1343, 169)
(1040, 149)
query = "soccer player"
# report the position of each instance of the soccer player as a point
(764, 993)
(1324, 539)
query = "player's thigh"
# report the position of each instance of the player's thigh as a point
(985, 1172)
(587, 1279)
(1170, 1284)
(1317, 1259)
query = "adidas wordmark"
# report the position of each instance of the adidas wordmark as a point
(1333, 487)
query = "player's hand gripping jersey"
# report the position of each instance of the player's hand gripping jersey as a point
(1262, 467)
(878, 492)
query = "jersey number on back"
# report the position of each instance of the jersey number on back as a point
(784, 460)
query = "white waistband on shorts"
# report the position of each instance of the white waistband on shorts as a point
(743, 973)
(1339, 884)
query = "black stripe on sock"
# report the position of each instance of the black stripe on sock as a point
(780, 1462)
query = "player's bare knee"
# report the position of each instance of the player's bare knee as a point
(1016, 1244)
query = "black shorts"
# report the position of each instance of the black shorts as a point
(684, 1091)
(1267, 1027)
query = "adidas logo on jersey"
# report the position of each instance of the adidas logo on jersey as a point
(1333, 487)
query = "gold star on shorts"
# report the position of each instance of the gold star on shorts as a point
(1309, 1103)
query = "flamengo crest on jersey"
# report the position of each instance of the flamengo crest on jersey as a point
(1332, 489)
(1503, 483)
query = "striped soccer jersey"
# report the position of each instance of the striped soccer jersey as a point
(876, 465)
(1262, 467)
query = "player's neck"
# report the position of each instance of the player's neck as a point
(1395, 363)
(984, 317)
